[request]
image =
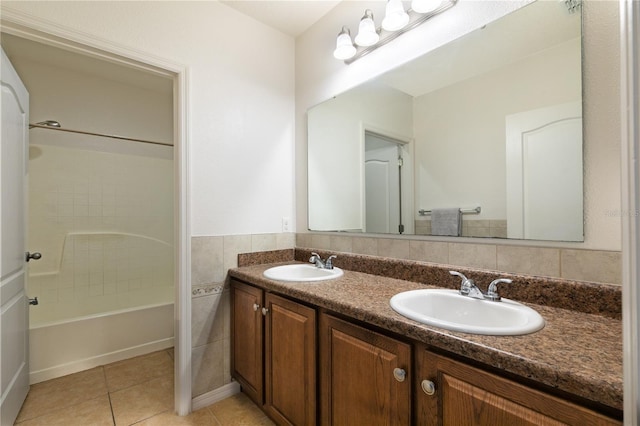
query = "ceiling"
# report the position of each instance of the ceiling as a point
(292, 17)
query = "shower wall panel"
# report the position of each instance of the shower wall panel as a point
(103, 222)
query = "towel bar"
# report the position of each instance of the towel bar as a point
(476, 210)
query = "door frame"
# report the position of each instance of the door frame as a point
(31, 28)
(630, 144)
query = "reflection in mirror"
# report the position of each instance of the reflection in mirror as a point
(490, 124)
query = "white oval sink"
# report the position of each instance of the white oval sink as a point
(302, 272)
(450, 310)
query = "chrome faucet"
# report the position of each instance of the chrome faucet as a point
(317, 260)
(469, 288)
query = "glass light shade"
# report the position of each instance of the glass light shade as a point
(395, 16)
(367, 34)
(344, 46)
(425, 6)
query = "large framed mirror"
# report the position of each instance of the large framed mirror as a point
(489, 125)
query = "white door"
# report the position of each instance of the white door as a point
(544, 174)
(14, 312)
(382, 185)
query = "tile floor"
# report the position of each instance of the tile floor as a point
(137, 391)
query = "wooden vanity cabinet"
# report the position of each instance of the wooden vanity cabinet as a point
(247, 332)
(465, 395)
(283, 381)
(365, 376)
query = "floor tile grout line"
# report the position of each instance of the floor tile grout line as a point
(113, 415)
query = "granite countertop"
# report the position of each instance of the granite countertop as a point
(576, 352)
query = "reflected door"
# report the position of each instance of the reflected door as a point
(544, 174)
(382, 185)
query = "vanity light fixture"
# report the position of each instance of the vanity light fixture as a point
(425, 6)
(395, 17)
(367, 32)
(396, 22)
(344, 46)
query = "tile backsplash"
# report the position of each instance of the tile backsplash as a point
(598, 266)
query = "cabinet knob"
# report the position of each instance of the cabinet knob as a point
(265, 311)
(399, 374)
(428, 387)
(255, 306)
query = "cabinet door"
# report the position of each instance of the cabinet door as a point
(246, 339)
(358, 381)
(465, 395)
(290, 367)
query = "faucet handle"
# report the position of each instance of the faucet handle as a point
(328, 264)
(492, 291)
(314, 256)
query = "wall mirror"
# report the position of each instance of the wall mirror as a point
(490, 124)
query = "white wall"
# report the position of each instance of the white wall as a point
(319, 76)
(241, 100)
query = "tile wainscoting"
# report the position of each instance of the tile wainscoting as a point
(211, 258)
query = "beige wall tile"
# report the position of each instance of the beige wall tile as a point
(234, 245)
(388, 247)
(207, 319)
(285, 240)
(365, 245)
(591, 265)
(227, 360)
(207, 260)
(263, 242)
(341, 243)
(477, 231)
(303, 240)
(207, 367)
(472, 255)
(226, 313)
(529, 260)
(429, 251)
(320, 241)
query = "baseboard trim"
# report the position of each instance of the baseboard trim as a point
(96, 361)
(214, 396)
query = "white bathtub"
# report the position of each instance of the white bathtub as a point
(65, 347)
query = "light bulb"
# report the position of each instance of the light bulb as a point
(395, 16)
(367, 34)
(425, 6)
(344, 46)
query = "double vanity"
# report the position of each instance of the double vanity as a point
(343, 348)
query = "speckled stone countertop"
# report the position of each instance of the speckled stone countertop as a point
(576, 352)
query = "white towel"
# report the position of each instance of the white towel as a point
(446, 222)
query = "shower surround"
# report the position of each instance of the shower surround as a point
(103, 222)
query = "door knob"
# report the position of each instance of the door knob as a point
(35, 256)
